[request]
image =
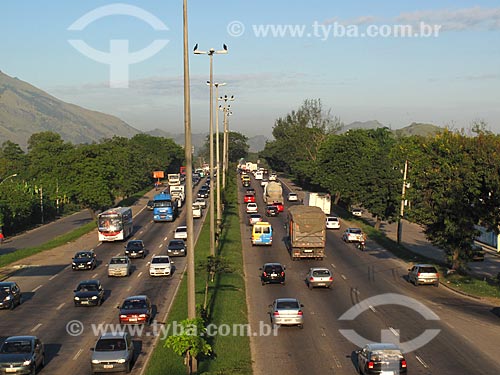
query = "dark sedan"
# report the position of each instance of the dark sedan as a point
(272, 273)
(10, 295)
(135, 249)
(84, 260)
(89, 293)
(22, 355)
(176, 248)
(272, 211)
(135, 310)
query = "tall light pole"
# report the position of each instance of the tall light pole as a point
(402, 209)
(211, 53)
(226, 137)
(191, 292)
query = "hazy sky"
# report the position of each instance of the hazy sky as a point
(351, 55)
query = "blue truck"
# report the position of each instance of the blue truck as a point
(165, 207)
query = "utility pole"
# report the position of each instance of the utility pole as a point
(225, 147)
(402, 210)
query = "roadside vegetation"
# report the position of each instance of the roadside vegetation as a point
(226, 301)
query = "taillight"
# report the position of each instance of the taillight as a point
(370, 364)
(418, 274)
(276, 313)
(437, 274)
(264, 274)
(403, 363)
(311, 278)
(331, 278)
(142, 315)
(299, 313)
(123, 316)
(282, 274)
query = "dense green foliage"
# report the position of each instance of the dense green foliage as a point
(54, 176)
(453, 179)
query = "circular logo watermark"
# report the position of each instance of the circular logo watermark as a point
(235, 28)
(388, 335)
(74, 328)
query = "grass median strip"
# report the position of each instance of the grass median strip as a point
(226, 307)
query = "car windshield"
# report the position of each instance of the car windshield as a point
(110, 345)
(136, 245)
(118, 261)
(6, 289)
(285, 305)
(386, 355)
(176, 244)
(87, 288)
(355, 230)
(332, 219)
(270, 269)
(321, 273)
(159, 260)
(134, 305)
(82, 255)
(427, 270)
(16, 347)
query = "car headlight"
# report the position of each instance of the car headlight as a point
(27, 362)
(89, 262)
(77, 298)
(94, 297)
(121, 360)
(74, 264)
(95, 361)
(8, 298)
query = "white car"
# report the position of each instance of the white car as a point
(357, 212)
(273, 177)
(263, 182)
(332, 222)
(292, 197)
(252, 208)
(200, 202)
(196, 211)
(160, 265)
(181, 233)
(353, 235)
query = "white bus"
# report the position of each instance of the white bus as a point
(115, 224)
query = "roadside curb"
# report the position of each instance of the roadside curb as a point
(460, 292)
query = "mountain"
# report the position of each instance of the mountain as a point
(257, 143)
(373, 124)
(418, 129)
(25, 109)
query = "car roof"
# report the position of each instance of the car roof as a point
(319, 269)
(90, 281)
(255, 215)
(291, 193)
(272, 264)
(120, 257)
(161, 256)
(332, 217)
(181, 227)
(7, 283)
(141, 296)
(20, 338)
(134, 241)
(382, 346)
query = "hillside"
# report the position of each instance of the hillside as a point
(25, 109)
(418, 129)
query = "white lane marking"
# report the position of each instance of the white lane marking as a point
(38, 287)
(333, 265)
(53, 277)
(421, 361)
(160, 246)
(342, 276)
(118, 254)
(139, 275)
(67, 267)
(337, 362)
(140, 232)
(394, 331)
(129, 288)
(60, 306)
(94, 276)
(99, 244)
(36, 327)
(166, 238)
(77, 354)
(372, 308)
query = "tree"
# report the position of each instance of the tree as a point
(212, 266)
(189, 343)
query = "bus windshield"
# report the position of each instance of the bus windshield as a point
(110, 222)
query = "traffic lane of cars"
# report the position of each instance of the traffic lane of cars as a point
(49, 321)
(374, 273)
(369, 326)
(293, 348)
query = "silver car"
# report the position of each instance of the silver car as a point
(287, 311)
(119, 266)
(423, 274)
(319, 276)
(113, 352)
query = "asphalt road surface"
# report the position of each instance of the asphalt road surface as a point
(468, 329)
(69, 332)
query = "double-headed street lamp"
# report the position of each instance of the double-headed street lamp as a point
(225, 161)
(211, 53)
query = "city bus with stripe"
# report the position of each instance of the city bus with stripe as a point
(115, 224)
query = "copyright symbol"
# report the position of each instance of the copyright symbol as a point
(74, 328)
(235, 28)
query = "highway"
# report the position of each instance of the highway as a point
(468, 329)
(47, 300)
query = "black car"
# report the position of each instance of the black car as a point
(84, 260)
(246, 183)
(22, 355)
(10, 295)
(203, 192)
(135, 249)
(272, 210)
(380, 358)
(272, 273)
(136, 310)
(151, 205)
(176, 248)
(89, 293)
